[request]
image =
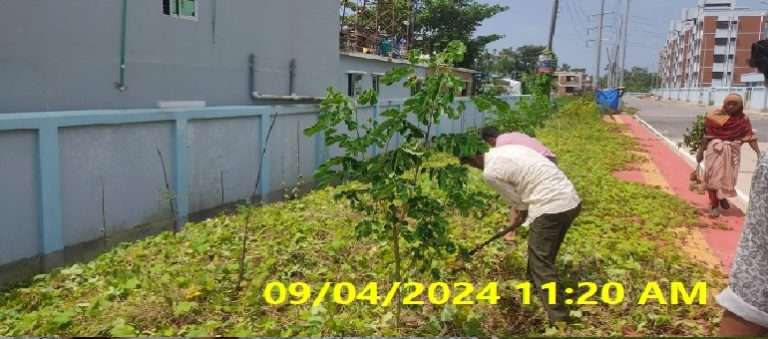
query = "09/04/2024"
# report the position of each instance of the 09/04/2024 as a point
(464, 293)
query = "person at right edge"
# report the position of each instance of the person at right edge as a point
(746, 298)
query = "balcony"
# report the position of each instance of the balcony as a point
(718, 67)
(722, 33)
(721, 50)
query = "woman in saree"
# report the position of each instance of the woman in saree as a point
(727, 129)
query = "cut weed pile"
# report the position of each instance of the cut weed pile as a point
(183, 285)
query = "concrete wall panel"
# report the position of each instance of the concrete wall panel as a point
(18, 196)
(124, 161)
(223, 161)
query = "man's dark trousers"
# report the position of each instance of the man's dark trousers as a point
(545, 237)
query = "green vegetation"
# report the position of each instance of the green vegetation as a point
(184, 284)
(435, 23)
(439, 22)
(389, 192)
(510, 62)
(531, 112)
(694, 135)
(636, 79)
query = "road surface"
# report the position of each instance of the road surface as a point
(672, 119)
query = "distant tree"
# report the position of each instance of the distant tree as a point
(438, 22)
(487, 62)
(511, 62)
(529, 57)
(636, 79)
(565, 68)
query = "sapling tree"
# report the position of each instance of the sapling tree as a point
(390, 189)
(694, 135)
(531, 112)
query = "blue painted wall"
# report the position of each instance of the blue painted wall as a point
(122, 160)
(224, 154)
(20, 234)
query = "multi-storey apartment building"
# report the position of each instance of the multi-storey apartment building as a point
(710, 45)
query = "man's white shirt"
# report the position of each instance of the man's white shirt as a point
(529, 182)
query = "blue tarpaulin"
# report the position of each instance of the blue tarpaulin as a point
(608, 99)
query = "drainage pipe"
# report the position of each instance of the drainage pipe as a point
(292, 77)
(121, 86)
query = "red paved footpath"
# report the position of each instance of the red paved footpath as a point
(723, 234)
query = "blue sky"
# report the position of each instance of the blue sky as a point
(527, 22)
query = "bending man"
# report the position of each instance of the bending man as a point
(542, 195)
(494, 138)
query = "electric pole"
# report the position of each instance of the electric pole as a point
(599, 45)
(553, 24)
(609, 68)
(626, 41)
(615, 67)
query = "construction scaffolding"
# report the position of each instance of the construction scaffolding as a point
(382, 27)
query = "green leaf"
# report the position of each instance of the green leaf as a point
(396, 75)
(120, 328)
(184, 308)
(448, 313)
(131, 284)
(63, 318)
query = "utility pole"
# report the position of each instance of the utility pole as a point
(624, 48)
(610, 68)
(599, 45)
(553, 24)
(411, 18)
(615, 67)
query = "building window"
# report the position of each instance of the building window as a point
(722, 25)
(353, 83)
(721, 41)
(717, 75)
(719, 58)
(376, 83)
(185, 9)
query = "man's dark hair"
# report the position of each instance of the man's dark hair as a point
(759, 57)
(489, 132)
